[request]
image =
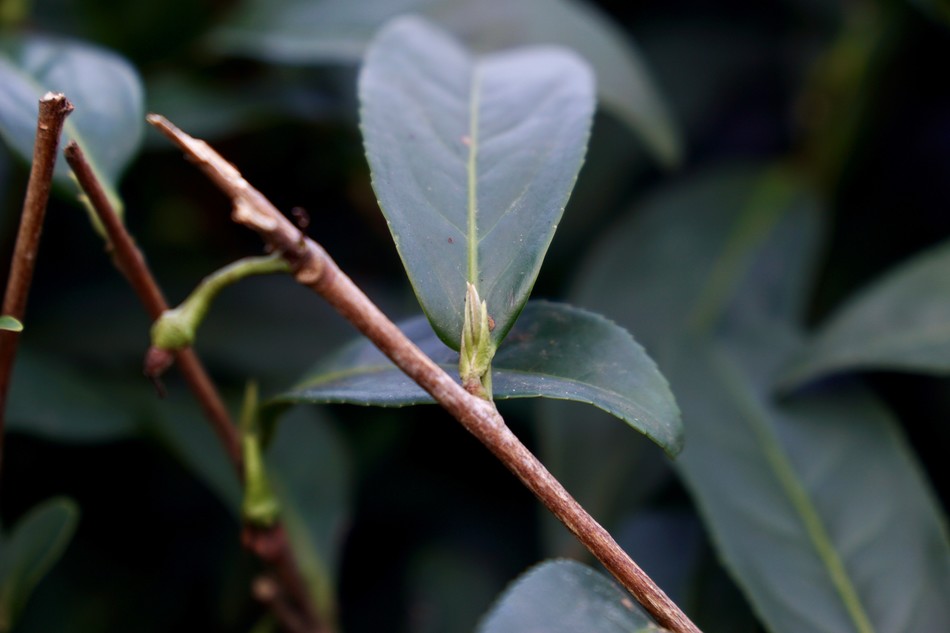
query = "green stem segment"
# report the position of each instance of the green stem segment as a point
(260, 507)
(175, 329)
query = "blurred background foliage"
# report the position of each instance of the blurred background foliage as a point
(423, 526)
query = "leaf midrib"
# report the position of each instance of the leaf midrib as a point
(472, 169)
(756, 418)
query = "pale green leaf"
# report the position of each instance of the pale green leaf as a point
(108, 121)
(554, 351)
(473, 160)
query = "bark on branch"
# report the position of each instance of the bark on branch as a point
(53, 110)
(293, 607)
(314, 268)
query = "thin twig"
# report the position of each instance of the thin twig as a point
(315, 269)
(131, 262)
(271, 545)
(53, 110)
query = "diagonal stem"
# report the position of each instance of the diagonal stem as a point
(53, 110)
(314, 268)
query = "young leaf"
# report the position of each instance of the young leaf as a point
(106, 92)
(816, 505)
(333, 31)
(30, 550)
(10, 323)
(554, 351)
(563, 596)
(473, 160)
(901, 322)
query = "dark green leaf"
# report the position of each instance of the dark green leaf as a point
(94, 407)
(675, 266)
(821, 508)
(30, 550)
(938, 9)
(309, 31)
(565, 597)
(182, 430)
(311, 475)
(816, 505)
(901, 322)
(87, 408)
(106, 92)
(450, 587)
(473, 160)
(554, 351)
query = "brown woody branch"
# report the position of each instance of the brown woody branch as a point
(315, 269)
(53, 110)
(293, 605)
(131, 263)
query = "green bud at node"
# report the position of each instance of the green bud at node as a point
(260, 507)
(477, 349)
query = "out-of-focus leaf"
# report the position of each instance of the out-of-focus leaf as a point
(938, 9)
(822, 489)
(211, 111)
(901, 322)
(30, 550)
(473, 161)
(321, 31)
(108, 120)
(86, 408)
(312, 478)
(449, 588)
(554, 351)
(182, 430)
(815, 505)
(94, 407)
(563, 596)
